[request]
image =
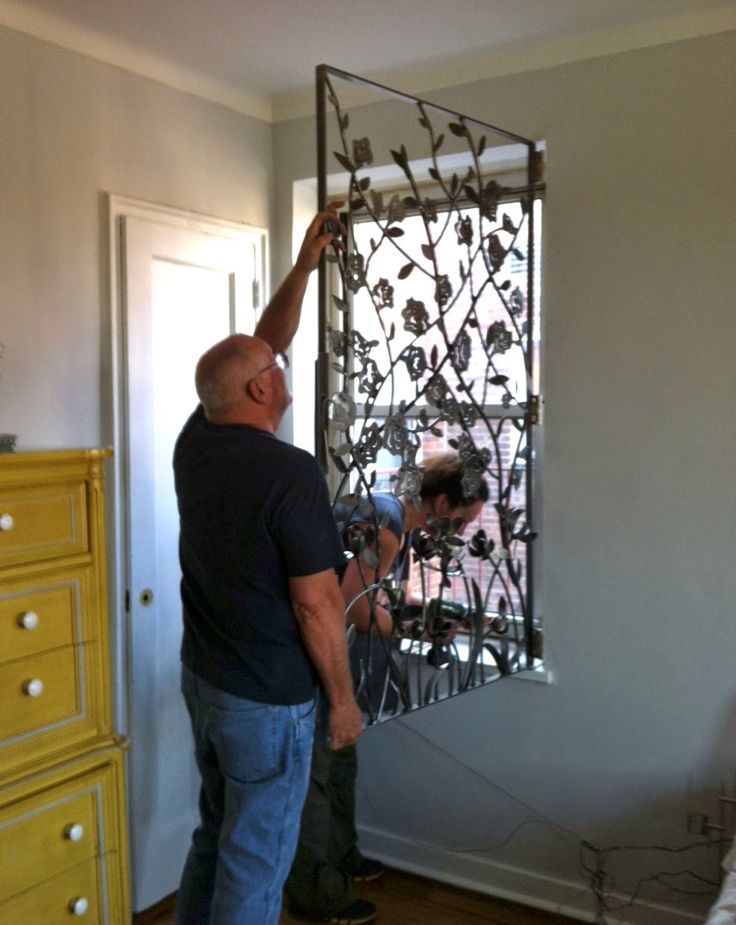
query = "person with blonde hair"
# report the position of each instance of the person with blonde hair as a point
(328, 860)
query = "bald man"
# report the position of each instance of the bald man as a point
(263, 615)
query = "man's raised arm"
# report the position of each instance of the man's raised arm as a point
(280, 319)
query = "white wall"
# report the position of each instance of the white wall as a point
(639, 518)
(72, 129)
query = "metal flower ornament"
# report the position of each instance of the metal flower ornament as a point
(428, 344)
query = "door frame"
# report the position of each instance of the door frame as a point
(118, 208)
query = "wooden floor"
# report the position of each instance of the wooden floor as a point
(405, 899)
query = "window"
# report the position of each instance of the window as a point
(505, 363)
(499, 406)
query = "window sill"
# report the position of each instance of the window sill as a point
(538, 674)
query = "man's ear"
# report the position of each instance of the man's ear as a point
(259, 391)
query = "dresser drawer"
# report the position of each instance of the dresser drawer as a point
(42, 523)
(44, 837)
(42, 868)
(73, 896)
(40, 691)
(70, 707)
(47, 616)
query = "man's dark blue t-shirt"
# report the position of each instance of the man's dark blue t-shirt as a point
(254, 511)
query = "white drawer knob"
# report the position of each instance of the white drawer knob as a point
(79, 906)
(6, 522)
(74, 831)
(34, 687)
(28, 620)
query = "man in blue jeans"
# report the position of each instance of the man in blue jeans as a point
(263, 615)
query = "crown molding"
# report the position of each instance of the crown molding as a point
(420, 78)
(93, 44)
(455, 70)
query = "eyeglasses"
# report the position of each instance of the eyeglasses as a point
(280, 360)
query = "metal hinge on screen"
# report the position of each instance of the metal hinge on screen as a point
(537, 167)
(256, 293)
(535, 409)
(537, 644)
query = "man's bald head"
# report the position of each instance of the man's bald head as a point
(224, 370)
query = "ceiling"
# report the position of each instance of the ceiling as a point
(258, 56)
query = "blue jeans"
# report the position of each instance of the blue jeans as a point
(254, 761)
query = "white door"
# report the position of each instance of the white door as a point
(184, 289)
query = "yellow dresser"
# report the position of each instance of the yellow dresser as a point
(63, 833)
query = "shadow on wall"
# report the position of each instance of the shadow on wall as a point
(483, 824)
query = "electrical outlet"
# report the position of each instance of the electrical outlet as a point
(697, 823)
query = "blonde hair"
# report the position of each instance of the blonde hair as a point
(443, 475)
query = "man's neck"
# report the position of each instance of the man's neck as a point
(261, 421)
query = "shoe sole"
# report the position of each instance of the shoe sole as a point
(367, 878)
(362, 920)
(337, 919)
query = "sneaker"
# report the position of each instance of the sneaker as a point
(368, 869)
(357, 913)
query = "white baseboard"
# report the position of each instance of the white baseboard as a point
(564, 897)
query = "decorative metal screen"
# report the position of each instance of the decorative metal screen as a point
(428, 342)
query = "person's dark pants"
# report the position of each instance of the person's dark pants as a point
(320, 883)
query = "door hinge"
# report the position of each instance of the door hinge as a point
(256, 293)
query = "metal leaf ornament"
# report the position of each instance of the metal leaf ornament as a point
(355, 276)
(443, 290)
(383, 292)
(409, 483)
(396, 434)
(416, 362)
(480, 545)
(342, 411)
(338, 342)
(464, 231)
(416, 317)
(362, 152)
(461, 350)
(366, 450)
(370, 378)
(499, 337)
